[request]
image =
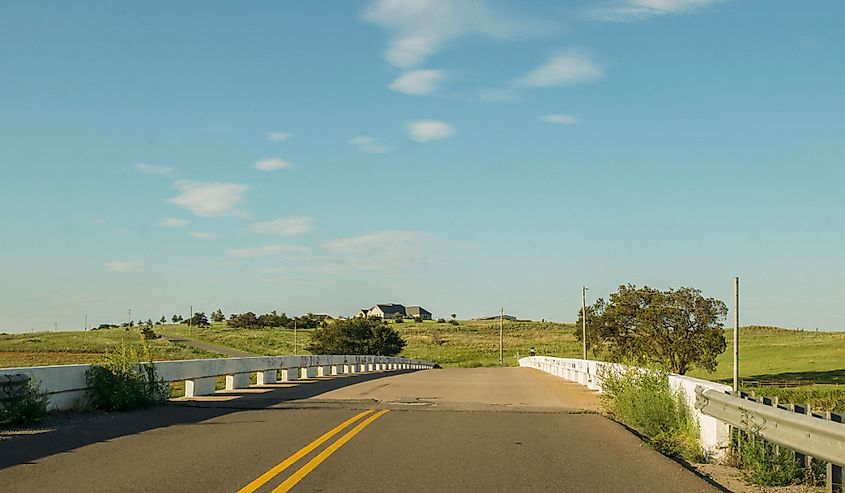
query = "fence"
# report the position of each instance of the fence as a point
(66, 386)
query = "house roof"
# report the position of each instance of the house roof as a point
(417, 310)
(391, 308)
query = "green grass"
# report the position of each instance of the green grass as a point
(770, 353)
(65, 348)
(469, 344)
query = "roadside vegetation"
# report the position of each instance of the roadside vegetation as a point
(125, 379)
(644, 401)
(26, 407)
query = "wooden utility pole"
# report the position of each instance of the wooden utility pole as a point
(584, 322)
(736, 334)
(501, 336)
(190, 316)
(294, 336)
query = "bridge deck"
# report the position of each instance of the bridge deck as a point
(483, 429)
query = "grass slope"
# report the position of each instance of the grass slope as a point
(66, 348)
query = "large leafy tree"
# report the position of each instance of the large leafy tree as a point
(677, 328)
(356, 336)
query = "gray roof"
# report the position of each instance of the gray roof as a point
(391, 309)
(416, 310)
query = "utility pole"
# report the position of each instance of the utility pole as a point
(501, 335)
(294, 336)
(191, 309)
(736, 334)
(584, 322)
(86, 321)
(129, 323)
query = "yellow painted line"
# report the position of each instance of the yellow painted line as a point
(313, 463)
(267, 476)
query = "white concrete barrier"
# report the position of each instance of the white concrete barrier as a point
(66, 386)
(714, 434)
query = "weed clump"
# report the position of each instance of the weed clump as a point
(121, 382)
(643, 400)
(28, 406)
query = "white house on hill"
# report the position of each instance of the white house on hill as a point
(388, 311)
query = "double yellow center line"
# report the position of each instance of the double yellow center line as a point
(303, 471)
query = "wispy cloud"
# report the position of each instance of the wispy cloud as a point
(123, 265)
(417, 82)
(383, 251)
(210, 199)
(560, 119)
(154, 169)
(286, 226)
(271, 164)
(172, 222)
(278, 136)
(420, 28)
(366, 143)
(202, 235)
(428, 130)
(563, 68)
(266, 250)
(635, 10)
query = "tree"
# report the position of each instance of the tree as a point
(217, 316)
(199, 320)
(162, 320)
(243, 320)
(398, 319)
(678, 329)
(356, 336)
(177, 318)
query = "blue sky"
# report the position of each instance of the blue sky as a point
(325, 156)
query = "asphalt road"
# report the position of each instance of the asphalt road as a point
(206, 346)
(485, 430)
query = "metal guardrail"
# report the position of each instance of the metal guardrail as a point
(821, 437)
(11, 385)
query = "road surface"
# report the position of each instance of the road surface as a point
(207, 346)
(467, 430)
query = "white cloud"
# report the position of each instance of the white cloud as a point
(384, 251)
(272, 163)
(560, 119)
(210, 199)
(286, 226)
(154, 169)
(123, 265)
(417, 81)
(266, 250)
(203, 235)
(420, 28)
(633, 10)
(278, 136)
(172, 222)
(564, 68)
(428, 130)
(366, 143)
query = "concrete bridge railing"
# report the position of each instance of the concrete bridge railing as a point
(66, 386)
(714, 434)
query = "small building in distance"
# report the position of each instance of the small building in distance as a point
(417, 311)
(389, 311)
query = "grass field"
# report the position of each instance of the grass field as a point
(66, 348)
(767, 353)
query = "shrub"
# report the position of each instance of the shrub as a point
(764, 464)
(418, 320)
(441, 320)
(121, 382)
(453, 322)
(356, 336)
(643, 400)
(28, 406)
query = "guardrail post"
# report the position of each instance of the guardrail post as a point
(324, 371)
(237, 381)
(290, 374)
(200, 386)
(265, 377)
(802, 460)
(834, 471)
(308, 372)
